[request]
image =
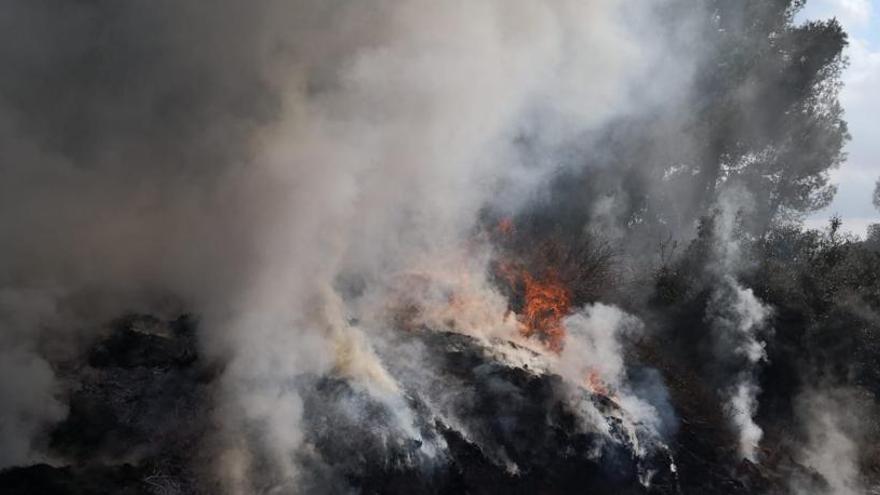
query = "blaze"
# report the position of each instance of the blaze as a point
(594, 383)
(505, 226)
(547, 301)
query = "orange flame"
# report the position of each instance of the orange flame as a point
(595, 384)
(505, 226)
(547, 302)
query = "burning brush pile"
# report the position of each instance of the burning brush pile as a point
(532, 383)
(513, 382)
(516, 379)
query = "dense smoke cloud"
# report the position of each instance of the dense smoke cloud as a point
(319, 181)
(240, 159)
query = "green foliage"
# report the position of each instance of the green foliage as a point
(770, 114)
(762, 115)
(826, 288)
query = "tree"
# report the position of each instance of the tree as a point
(771, 118)
(763, 113)
(876, 198)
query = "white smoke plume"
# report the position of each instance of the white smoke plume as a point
(594, 357)
(736, 316)
(836, 421)
(29, 405)
(594, 344)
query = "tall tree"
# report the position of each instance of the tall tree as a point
(876, 198)
(770, 116)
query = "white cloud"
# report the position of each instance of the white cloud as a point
(852, 13)
(856, 12)
(853, 225)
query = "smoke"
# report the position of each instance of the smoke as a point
(835, 420)
(30, 406)
(736, 316)
(276, 167)
(29, 388)
(593, 342)
(386, 164)
(312, 179)
(594, 358)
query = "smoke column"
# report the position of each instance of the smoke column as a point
(736, 316)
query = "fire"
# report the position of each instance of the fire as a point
(505, 226)
(547, 301)
(594, 383)
(446, 296)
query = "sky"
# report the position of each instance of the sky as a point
(861, 101)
